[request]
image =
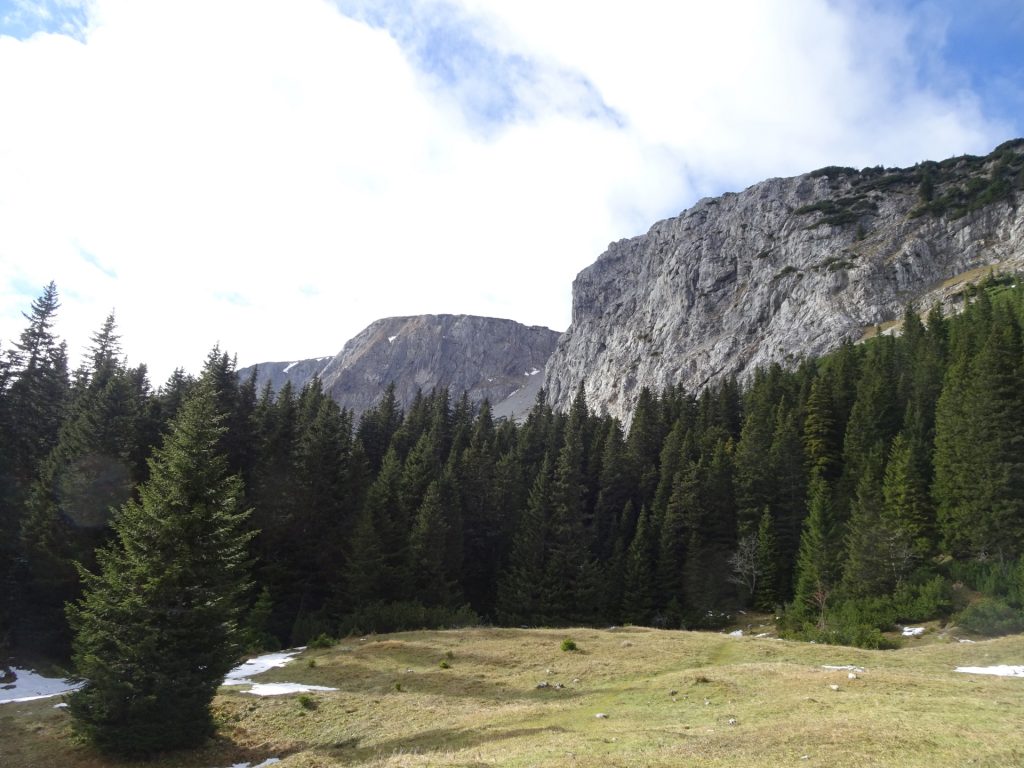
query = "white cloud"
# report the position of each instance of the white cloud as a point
(746, 89)
(274, 176)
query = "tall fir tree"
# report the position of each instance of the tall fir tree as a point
(433, 584)
(520, 592)
(979, 442)
(481, 520)
(38, 391)
(788, 506)
(766, 594)
(818, 565)
(158, 627)
(93, 469)
(822, 430)
(35, 393)
(638, 588)
(870, 544)
(907, 510)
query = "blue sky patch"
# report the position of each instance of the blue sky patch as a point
(981, 50)
(23, 18)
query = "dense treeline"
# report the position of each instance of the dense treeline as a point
(855, 490)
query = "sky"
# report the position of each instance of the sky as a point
(271, 176)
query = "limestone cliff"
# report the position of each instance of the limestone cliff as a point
(786, 268)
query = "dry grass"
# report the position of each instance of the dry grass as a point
(889, 326)
(738, 702)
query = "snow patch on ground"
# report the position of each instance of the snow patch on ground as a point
(842, 667)
(243, 673)
(534, 372)
(736, 633)
(28, 685)
(264, 764)
(391, 339)
(913, 631)
(290, 366)
(240, 675)
(280, 689)
(1001, 670)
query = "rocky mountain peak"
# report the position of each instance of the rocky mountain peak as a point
(488, 358)
(786, 268)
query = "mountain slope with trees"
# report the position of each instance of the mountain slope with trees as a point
(855, 490)
(848, 492)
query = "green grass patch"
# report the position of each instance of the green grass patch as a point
(670, 698)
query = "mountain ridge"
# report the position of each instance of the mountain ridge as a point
(488, 358)
(785, 269)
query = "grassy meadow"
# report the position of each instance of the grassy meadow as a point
(471, 698)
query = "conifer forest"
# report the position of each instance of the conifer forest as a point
(844, 494)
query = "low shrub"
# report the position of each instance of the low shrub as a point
(991, 616)
(859, 635)
(323, 640)
(569, 645)
(928, 600)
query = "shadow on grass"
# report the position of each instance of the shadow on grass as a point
(362, 677)
(416, 653)
(428, 742)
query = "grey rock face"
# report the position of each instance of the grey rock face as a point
(786, 268)
(486, 357)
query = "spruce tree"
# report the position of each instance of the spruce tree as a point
(869, 543)
(482, 523)
(34, 378)
(822, 433)
(979, 443)
(567, 548)
(93, 469)
(615, 486)
(788, 509)
(766, 595)
(378, 426)
(755, 481)
(38, 367)
(519, 589)
(391, 523)
(817, 567)
(638, 588)
(874, 418)
(432, 581)
(672, 537)
(907, 511)
(321, 516)
(645, 442)
(365, 568)
(158, 627)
